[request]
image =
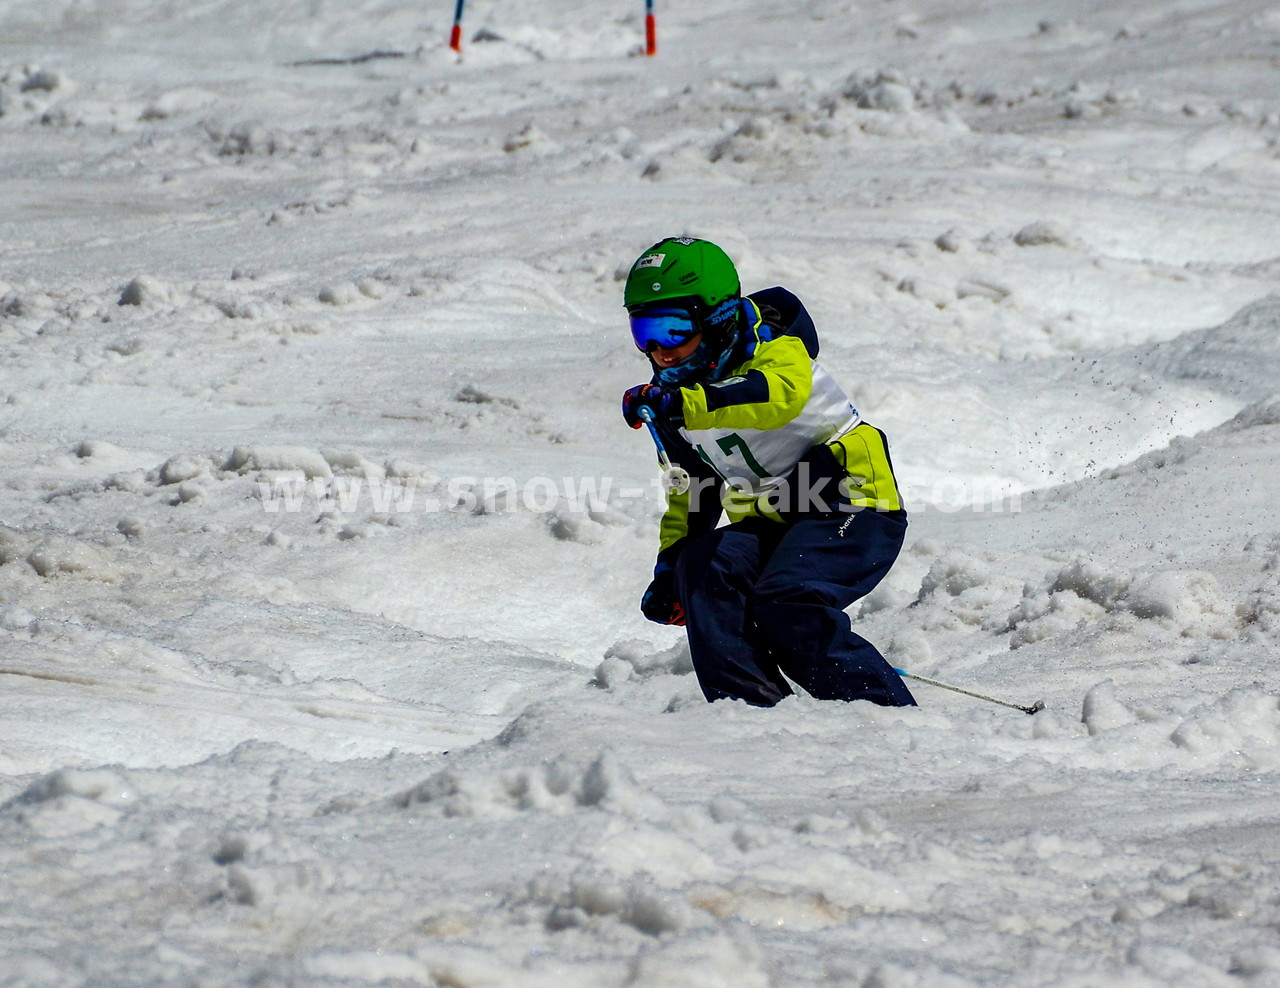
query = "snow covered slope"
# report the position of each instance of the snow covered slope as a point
(321, 538)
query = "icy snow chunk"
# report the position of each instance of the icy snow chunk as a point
(56, 555)
(89, 448)
(469, 394)
(100, 785)
(130, 346)
(14, 545)
(758, 128)
(346, 463)
(127, 480)
(1223, 900)
(1080, 593)
(633, 657)
(407, 470)
(189, 491)
(1042, 233)
(131, 527)
(959, 589)
(1042, 615)
(372, 288)
(183, 467)
(181, 100)
(44, 80)
(608, 783)
(951, 242)
(343, 293)
(1079, 109)
(635, 902)
(1263, 607)
(1092, 581)
(555, 786)
(910, 649)
(361, 530)
(1103, 711)
(953, 574)
(72, 801)
(16, 618)
(611, 672)
(282, 459)
(144, 290)
(1243, 724)
(973, 287)
(546, 787)
(530, 138)
(587, 525)
(567, 525)
(887, 90)
(243, 308)
(755, 130)
(33, 304)
(250, 138)
(1189, 600)
(928, 290)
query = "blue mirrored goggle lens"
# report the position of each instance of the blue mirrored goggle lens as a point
(662, 328)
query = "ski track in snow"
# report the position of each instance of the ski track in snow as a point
(321, 541)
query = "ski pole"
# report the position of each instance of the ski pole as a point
(675, 480)
(1035, 708)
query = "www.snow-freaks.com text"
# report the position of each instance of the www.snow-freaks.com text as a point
(483, 495)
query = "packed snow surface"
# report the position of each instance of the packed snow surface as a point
(321, 537)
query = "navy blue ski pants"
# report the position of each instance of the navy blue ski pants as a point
(763, 598)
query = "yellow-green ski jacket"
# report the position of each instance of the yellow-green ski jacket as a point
(774, 435)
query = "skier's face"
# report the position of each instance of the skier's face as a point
(670, 356)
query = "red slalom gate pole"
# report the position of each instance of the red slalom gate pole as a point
(455, 36)
(650, 29)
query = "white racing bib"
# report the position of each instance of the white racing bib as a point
(754, 461)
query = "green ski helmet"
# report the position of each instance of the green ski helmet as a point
(676, 289)
(682, 268)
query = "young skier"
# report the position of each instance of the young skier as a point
(769, 438)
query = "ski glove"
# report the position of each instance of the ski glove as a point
(665, 403)
(659, 603)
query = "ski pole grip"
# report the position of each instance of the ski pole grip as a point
(646, 416)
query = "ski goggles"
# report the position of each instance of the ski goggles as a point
(663, 328)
